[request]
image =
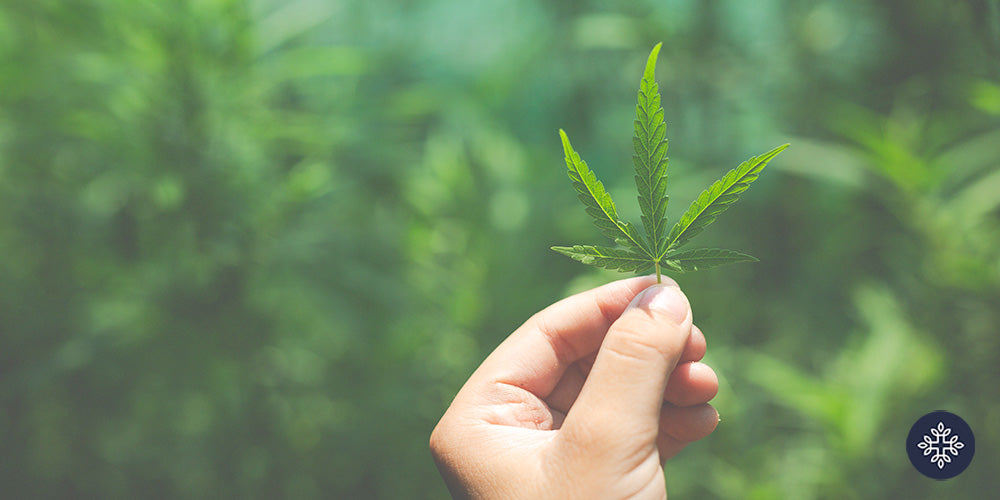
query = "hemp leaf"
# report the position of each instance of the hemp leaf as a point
(660, 249)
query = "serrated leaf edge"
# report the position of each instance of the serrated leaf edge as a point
(650, 145)
(577, 166)
(606, 257)
(717, 190)
(726, 255)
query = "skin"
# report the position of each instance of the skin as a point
(587, 399)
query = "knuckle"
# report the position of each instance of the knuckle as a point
(439, 440)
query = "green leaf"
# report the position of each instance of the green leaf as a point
(609, 258)
(704, 258)
(717, 198)
(650, 146)
(598, 201)
(638, 254)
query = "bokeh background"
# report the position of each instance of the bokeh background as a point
(251, 249)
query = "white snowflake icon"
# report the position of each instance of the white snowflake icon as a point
(940, 445)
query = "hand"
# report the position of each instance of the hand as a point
(586, 399)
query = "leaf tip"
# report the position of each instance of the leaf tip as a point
(774, 152)
(562, 250)
(651, 62)
(567, 147)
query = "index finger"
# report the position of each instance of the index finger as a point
(537, 354)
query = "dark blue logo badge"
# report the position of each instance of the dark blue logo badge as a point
(940, 445)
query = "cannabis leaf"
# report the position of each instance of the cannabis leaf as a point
(717, 198)
(650, 160)
(610, 258)
(598, 202)
(660, 249)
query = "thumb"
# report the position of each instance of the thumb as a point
(622, 396)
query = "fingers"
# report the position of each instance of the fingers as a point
(693, 351)
(567, 390)
(537, 354)
(696, 346)
(680, 426)
(691, 384)
(621, 399)
(683, 389)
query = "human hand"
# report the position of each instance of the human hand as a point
(586, 399)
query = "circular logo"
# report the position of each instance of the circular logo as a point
(940, 445)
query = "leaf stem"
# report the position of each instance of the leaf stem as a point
(657, 265)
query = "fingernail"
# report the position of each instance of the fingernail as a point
(668, 299)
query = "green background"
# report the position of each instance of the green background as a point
(251, 249)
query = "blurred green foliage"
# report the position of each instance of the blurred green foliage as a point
(251, 249)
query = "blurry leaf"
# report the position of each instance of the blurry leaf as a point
(606, 30)
(887, 144)
(980, 198)
(969, 158)
(796, 389)
(827, 162)
(168, 193)
(305, 62)
(889, 361)
(985, 96)
(291, 20)
(309, 179)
